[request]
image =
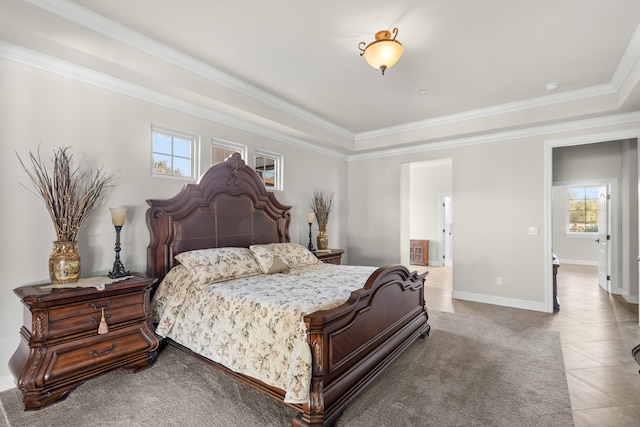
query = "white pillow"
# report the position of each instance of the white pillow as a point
(219, 264)
(295, 255)
(267, 259)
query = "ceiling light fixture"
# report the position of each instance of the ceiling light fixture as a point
(384, 52)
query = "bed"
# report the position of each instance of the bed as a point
(361, 322)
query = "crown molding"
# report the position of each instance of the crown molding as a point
(75, 13)
(629, 59)
(575, 125)
(544, 101)
(82, 16)
(66, 69)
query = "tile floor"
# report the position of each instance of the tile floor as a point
(597, 332)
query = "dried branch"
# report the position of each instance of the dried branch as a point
(69, 195)
(321, 205)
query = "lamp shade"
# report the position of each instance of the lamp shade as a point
(118, 216)
(384, 52)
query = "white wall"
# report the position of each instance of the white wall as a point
(112, 130)
(499, 192)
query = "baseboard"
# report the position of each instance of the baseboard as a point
(578, 262)
(632, 299)
(6, 382)
(505, 302)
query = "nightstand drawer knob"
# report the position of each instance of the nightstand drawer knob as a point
(97, 307)
(102, 353)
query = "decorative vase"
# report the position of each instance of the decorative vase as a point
(64, 262)
(322, 240)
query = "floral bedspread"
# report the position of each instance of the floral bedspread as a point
(254, 325)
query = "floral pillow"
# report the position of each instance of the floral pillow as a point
(267, 259)
(295, 255)
(219, 264)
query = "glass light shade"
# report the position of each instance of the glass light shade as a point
(310, 217)
(383, 54)
(118, 216)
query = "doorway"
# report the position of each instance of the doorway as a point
(578, 208)
(423, 185)
(624, 252)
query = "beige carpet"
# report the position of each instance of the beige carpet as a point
(469, 372)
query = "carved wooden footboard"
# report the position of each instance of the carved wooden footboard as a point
(351, 344)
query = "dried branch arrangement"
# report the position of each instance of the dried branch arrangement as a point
(69, 194)
(321, 205)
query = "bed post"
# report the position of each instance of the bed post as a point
(313, 410)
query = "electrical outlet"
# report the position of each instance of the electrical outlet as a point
(499, 281)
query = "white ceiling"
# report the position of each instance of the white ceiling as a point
(292, 67)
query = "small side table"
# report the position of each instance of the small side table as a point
(332, 256)
(61, 346)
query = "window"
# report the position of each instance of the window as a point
(220, 150)
(174, 153)
(269, 167)
(583, 209)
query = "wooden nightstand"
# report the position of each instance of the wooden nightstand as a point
(334, 256)
(60, 347)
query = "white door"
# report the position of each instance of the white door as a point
(447, 231)
(604, 239)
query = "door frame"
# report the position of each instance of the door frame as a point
(405, 202)
(612, 215)
(442, 226)
(606, 229)
(549, 145)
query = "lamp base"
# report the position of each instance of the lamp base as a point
(118, 271)
(118, 267)
(310, 245)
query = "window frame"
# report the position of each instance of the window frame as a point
(578, 234)
(228, 145)
(278, 165)
(194, 141)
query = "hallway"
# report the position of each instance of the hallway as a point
(597, 333)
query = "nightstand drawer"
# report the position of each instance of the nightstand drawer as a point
(332, 256)
(91, 354)
(85, 316)
(60, 347)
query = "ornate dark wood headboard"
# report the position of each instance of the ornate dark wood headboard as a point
(228, 207)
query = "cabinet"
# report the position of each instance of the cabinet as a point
(333, 256)
(60, 346)
(419, 252)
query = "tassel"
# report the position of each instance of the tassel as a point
(103, 328)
